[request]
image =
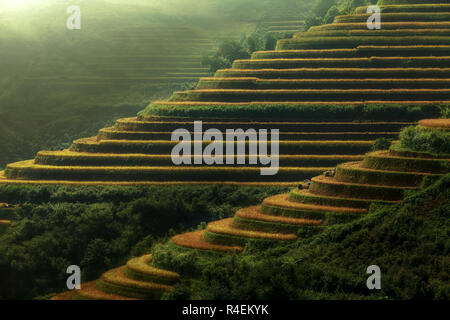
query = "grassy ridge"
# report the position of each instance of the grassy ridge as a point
(386, 25)
(383, 160)
(265, 84)
(330, 187)
(353, 42)
(397, 17)
(377, 33)
(165, 147)
(359, 173)
(360, 51)
(372, 62)
(305, 111)
(171, 173)
(336, 73)
(93, 159)
(311, 95)
(304, 196)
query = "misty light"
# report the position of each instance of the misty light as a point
(16, 4)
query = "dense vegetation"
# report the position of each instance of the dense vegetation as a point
(408, 241)
(424, 139)
(305, 111)
(98, 228)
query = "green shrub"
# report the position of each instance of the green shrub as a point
(425, 140)
(300, 112)
(227, 52)
(381, 144)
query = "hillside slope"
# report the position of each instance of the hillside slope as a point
(384, 210)
(331, 91)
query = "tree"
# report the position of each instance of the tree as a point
(331, 14)
(323, 6)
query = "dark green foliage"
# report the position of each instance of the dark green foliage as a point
(270, 42)
(323, 6)
(303, 112)
(227, 52)
(332, 12)
(312, 21)
(381, 144)
(425, 140)
(97, 228)
(408, 241)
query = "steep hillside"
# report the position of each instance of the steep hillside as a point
(331, 91)
(387, 230)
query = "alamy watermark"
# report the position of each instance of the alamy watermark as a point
(374, 281)
(74, 280)
(374, 21)
(209, 146)
(74, 20)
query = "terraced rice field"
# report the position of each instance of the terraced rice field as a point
(382, 177)
(283, 27)
(145, 53)
(331, 91)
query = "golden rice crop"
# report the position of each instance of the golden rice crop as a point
(283, 200)
(225, 227)
(117, 277)
(255, 214)
(194, 240)
(141, 265)
(435, 123)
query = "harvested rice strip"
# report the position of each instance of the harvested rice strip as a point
(307, 196)
(194, 240)
(435, 123)
(282, 200)
(386, 160)
(254, 213)
(325, 186)
(225, 226)
(117, 277)
(141, 265)
(357, 172)
(336, 182)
